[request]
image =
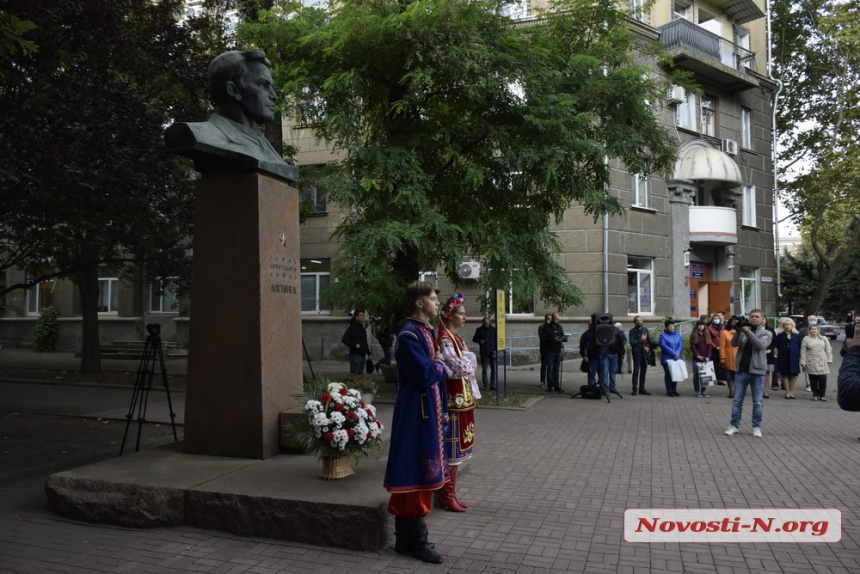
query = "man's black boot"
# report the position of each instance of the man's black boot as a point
(421, 549)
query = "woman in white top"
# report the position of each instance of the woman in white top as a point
(815, 359)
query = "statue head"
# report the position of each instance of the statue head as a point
(241, 87)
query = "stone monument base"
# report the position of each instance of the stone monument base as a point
(280, 498)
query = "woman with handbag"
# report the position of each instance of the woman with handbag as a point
(701, 347)
(671, 349)
(462, 391)
(815, 359)
(728, 354)
(788, 341)
(715, 328)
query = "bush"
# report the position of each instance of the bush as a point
(47, 330)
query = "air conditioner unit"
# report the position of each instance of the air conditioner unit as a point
(730, 147)
(470, 270)
(676, 95)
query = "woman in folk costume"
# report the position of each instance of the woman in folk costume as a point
(461, 389)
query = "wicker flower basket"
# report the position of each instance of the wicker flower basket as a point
(336, 468)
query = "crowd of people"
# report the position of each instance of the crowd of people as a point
(433, 425)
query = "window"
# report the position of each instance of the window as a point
(108, 295)
(316, 275)
(640, 190)
(749, 206)
(429, 276)
(637, 9)
(640, 286)
(682, 9)
(709, 115)
(520, 303)
(316, 195)
(40, 295)
(685, 113)
(162, 296)
(749, 289)
(746, 128)
(518, 9)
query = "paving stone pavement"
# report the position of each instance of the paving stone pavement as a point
(547, 489)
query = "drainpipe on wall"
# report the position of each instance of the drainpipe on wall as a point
(774, 152)
(606, 263)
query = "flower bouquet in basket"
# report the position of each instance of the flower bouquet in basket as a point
(338, 423)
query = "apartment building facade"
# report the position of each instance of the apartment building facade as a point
(694, 243)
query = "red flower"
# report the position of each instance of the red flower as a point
(379, 424)
(369, 434)
(344, 391)
(326, 397)
(350, 433)
(361, 404)
(329, 436)
(369, 413)
(351, 415)
(339, 407)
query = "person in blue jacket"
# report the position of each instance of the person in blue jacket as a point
(788, 341)
(671, 347)
(417, 462)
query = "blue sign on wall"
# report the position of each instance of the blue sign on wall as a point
(697, 271)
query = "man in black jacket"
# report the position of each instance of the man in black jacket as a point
(553, 336)
(485, 336)
(848, 383)
(355, 339)
(543, 353)
(640, 346)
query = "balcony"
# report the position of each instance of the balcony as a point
(713, 225)
(709, 56)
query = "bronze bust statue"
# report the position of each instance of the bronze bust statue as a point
(241, 89)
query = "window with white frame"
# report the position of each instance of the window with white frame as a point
(685, 112)
(162, 296)
(640, 190)
(637, 9)
(429, 276)
(640, 286)
(40, 295)
(746, 128)
(709, 115)
(748, 206)
(520, 303)
(749, 289)
(682, 9)
(108, 295)
(315, 277)
(518, 9)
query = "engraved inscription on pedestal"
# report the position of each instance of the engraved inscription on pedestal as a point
(283, 272)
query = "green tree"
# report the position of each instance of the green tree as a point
(463, 132)
(85, 179)
(817, 58)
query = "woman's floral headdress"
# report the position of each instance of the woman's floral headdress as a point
(451, 305)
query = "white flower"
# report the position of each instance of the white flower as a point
(314, 406)
(340, 439)
(338, 418)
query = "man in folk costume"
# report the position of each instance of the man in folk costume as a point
(461, 389)
(417, 462)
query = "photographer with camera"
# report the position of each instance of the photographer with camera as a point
(751, 340)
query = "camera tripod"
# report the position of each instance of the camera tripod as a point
(143, 384)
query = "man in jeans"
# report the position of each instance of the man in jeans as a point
(750, 367)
